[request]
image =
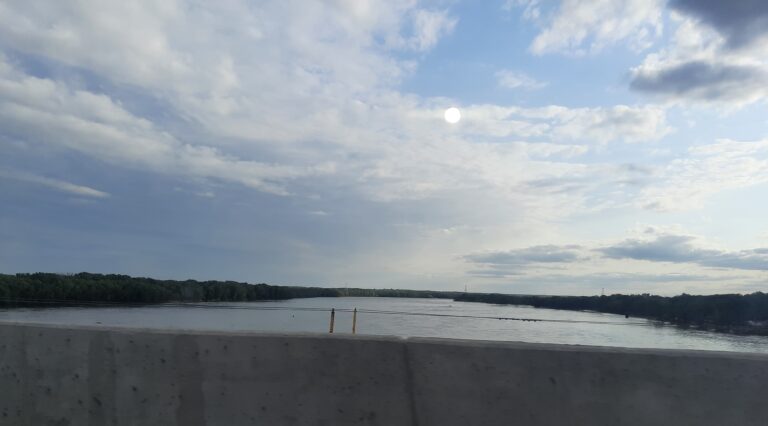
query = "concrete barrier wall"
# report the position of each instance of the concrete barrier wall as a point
(88, 376)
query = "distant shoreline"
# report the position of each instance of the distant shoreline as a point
(725, 313)
(84, 287)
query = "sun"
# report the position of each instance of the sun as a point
(452, 115)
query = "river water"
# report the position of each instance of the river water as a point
(581, 328)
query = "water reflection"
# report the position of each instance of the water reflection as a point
(614, 330)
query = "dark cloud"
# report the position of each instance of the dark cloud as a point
(521, 257)
(741, 22)
(494, 273)
(681, 249)
(559, 185)
(746, 259)
(702, 81)
(621, 278)
(667, 248)
(511, 263)
(637, 169)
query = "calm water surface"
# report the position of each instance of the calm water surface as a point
(615, 330)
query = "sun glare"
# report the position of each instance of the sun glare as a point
(452, 115)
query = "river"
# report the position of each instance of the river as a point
(568, 327)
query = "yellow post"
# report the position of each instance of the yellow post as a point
(333, 317)
(354, 321)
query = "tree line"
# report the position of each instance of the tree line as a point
(736, 313)
(48, 288)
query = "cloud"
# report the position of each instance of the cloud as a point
(95, 125)
(510, 79)
(503, 264)
(665, 248)
(682, 249)
(579, 27)
(612, 262)
(60, 185)
(532, 8)
(620, 122)
(315, 104)
(623, 283)
(313, 112)
(428, 27)
(304, 100)
(305, 104)
(704, 81)
(741, 22)
(702, 65)
(561, 124)
(178, 48)
(687, 182)
(494, 273)
(534, 254)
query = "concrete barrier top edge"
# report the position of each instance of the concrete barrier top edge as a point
(400, 339)
(559, 347)
(198, 332)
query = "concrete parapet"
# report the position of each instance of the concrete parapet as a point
(97, 376)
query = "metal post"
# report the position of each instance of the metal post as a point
(333, 317)
(354, 321)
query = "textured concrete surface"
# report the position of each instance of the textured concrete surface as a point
(90, 376)
(494, 383)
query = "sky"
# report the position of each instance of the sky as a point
(604, 145)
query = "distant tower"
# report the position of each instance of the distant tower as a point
(465, 288)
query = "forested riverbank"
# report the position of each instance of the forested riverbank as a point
(732, 313)
(63, 289)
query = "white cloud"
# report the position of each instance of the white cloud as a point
(44, 111)
(620, 122)
(579, 27)
(560, 124)
(687, 182)
(60, 185)
(532, 8)
(428, 27)
(127, 39)
(510, 79)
